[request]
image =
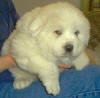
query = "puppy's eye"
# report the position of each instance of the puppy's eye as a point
(58, 32)
(77, 33)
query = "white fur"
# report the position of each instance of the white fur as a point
(37, 49)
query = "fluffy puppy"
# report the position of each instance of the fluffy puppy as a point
(44, 37)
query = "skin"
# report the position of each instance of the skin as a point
(8, 61)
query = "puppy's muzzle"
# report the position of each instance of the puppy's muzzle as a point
(68, 48)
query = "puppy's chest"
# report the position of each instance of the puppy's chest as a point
(66, 61)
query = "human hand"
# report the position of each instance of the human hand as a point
(6, 62)
(62, 67)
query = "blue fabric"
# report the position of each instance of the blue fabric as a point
(74, 84)
(8, 18)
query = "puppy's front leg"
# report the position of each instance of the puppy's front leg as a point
(82, 61)
(48, 74)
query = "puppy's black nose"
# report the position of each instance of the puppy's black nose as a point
(68, 48)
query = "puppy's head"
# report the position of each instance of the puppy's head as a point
(64, 30)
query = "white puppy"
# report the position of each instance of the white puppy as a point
(44, 37)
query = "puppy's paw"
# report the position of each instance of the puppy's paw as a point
(20, 84)
(79, 67)
(53, 88)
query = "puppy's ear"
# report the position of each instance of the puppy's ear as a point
(35, 27)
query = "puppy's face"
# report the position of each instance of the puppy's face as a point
(64, 34)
